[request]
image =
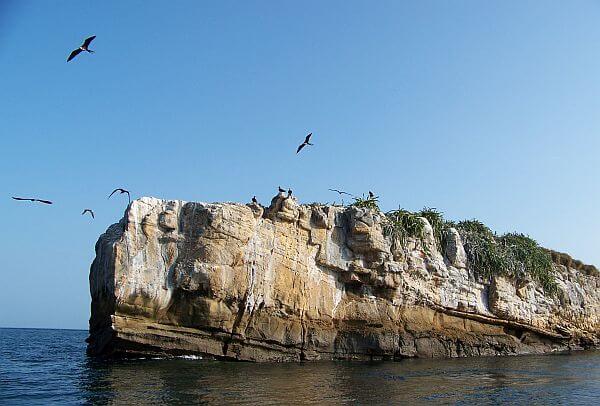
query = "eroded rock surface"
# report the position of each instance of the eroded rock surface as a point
(292, 282)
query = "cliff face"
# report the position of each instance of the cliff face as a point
(298, 282)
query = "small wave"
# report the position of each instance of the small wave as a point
(190, 356)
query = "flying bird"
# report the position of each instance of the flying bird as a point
(341, 192)
(305, 143)
(33, 200)
(121, 191)
(88, 211)
(83, 47)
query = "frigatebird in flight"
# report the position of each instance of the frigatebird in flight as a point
(33, 200)
(121, 191)
(305, 143)
(341, 192)
(83, 47)
(88, 211)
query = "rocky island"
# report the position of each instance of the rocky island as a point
(294, 282)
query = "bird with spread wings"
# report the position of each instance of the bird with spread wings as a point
(341, 192)
(30, 199)
(88, 211)
(83, 47)
(121, 191)
(305, 143)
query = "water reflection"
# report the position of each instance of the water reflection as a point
(485, 380)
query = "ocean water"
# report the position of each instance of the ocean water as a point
(50, 366)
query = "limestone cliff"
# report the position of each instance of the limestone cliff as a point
(293, 282)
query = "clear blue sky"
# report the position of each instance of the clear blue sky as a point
(486, 110)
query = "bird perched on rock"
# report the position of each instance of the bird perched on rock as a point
(88, 211)
(305, 143)
(280, 189)
(371, 195)
(121, 191)
(254, 200)
(289, 193)
(83, 47)
(33, 200)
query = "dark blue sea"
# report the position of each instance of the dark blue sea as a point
(50, 366)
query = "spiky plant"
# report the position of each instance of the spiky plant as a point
(477, 227)
(483, 253)
(526, 257)
(366, 202)
(514, 255)
(402, 224)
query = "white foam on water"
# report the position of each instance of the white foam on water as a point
(190, 356)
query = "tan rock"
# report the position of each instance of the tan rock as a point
(455, 251)
(299, 282)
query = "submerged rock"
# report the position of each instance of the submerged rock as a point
(295, 282)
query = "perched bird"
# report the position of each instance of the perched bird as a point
(281, 190)
(254, 200)
(121, 191)
(371, 195)
(88, 211)
(33, 200)
(341, 192)
(83, 47)
(305, 143)
(289, 193)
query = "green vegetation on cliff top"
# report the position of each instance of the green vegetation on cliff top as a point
(513, 255)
